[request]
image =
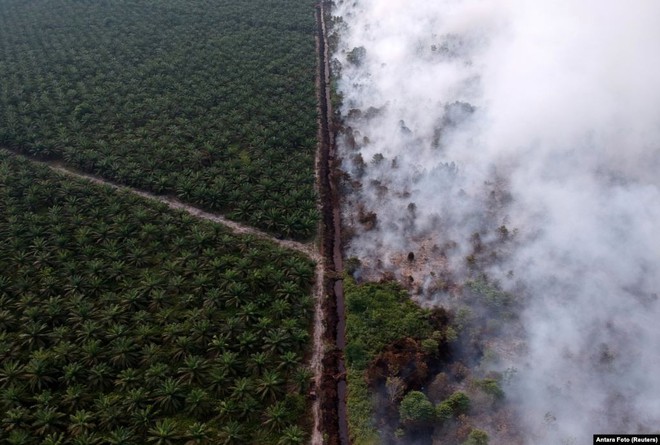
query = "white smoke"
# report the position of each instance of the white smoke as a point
(555, 104)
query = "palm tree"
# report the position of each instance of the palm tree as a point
(46, 420)
(12, 396)
(100, 377)
(299, 338)
(60, 333)
(269, 387)
(232, 433)
(279, 309)
(20, 437)
(193, 370)
(277, 340)
(299, 269)
(156, 374)
(86, 439)
(264, 324)
(10, 372)
(288, 361)
(248, 407)
(151, 353)
(88, 329)
(81, 422)
(135, 399)
(302, 379)
(247, 340)
(197, 402)
(121, 436)
(169, 397)
(7, 319)
(141, 419)
(258, 362)
(33, 335)
(15, 418)
(92, 351)
(227, 409)
(288, 291)
(229, 362)
(242, 388)
(164, 432)
(236, 291)
(127, 379)
(249, 313)
(144, 332)
(123, 353)
(74, 396)
(198, 434)
(37, 372)
(276, 416)
(233, 326)
(218, 381)
(202, 331)
(108, 410)
(44, 398)
(292, 435)
(219, 344)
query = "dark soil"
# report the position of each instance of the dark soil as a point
(334, 423)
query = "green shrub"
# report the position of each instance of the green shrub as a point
(477, 437)
(378, 314)
(491, 387)
(443, 411)
(360, 411)
(456, 404)
(416, 408)
(430, 346)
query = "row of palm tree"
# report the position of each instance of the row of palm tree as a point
(151, 95)
(122, 321)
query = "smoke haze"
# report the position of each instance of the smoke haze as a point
(543, 117)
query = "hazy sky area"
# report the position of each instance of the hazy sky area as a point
(563, 115)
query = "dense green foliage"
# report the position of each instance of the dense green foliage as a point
(377, 314)
(122, 321)
(491, 387)
(209, 100)
(456, 404)
(416, 408)
(360, 410)
(477, 437)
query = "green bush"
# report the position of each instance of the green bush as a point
(430, 346)
(416, 408)
(378, 314)
(360, 416)
(443, 411)
(456, 404)
(491, 387)
(477, 437)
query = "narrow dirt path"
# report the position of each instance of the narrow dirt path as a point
(318, 352)
(318, 348)
(309, 250)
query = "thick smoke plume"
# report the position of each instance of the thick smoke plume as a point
(537, 121)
